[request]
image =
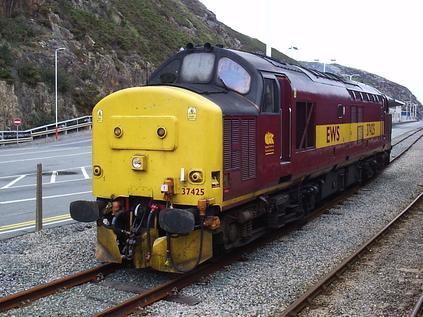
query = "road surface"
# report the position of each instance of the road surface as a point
(66, 177)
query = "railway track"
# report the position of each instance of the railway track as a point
(306, 299)
(418, 309)
(32, 294)
(168, 288)
(408, 136)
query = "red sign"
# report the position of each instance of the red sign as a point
(17, 121)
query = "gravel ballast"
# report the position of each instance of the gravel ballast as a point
(387, 281)
(269, 280)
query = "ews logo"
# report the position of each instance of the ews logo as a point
(332, 134)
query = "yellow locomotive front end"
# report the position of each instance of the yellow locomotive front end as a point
(157, 168)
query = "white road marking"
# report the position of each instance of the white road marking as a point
(70, 143)
(46, 151)
(84, 172)
(30, 174)
(44, 197)
(53, 177)
(44, 184)
(45, 158)
(13, 182)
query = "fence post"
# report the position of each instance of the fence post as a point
(39, 199)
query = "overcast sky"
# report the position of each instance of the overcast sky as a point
(382, 37)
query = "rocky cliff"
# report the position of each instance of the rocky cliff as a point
(109, 45)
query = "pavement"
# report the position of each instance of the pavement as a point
(66, 165)
(66, 177)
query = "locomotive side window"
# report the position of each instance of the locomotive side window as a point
(197, 68)
(233, 76)
(305, 132)
(270, 96)
(340, 111)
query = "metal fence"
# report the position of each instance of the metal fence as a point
(14, 137)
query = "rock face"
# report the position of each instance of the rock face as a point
(109, 45)
(8, 105)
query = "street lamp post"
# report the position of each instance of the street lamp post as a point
(55, 86)
(293, 48)
(324, 63)
(353, 75)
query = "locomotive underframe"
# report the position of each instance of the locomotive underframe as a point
(247, 222)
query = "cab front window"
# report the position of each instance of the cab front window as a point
(233, 76)
(197, 68)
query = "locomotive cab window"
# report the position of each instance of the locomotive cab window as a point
(197, 68)
(270, 103)
(233, 76)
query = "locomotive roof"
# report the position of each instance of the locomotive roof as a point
(268, 64)
(257, 66)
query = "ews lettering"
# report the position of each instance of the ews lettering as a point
(332, 134)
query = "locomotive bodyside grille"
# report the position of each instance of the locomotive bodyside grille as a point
(239, 146)
(227, 145)
(248, 149)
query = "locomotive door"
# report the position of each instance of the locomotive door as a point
(269, 130)
(286, 119)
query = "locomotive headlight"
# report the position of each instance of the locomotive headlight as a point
(161, 132)
(118, 132)
(138, 163)
(196, 177)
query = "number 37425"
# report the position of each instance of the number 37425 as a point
(192, 191)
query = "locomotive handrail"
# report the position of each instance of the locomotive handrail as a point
(14, 137)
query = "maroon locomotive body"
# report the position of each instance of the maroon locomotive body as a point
(294, 138)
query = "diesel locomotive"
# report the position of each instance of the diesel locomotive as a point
(221, 146)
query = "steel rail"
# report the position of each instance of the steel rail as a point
(418, 309)
(39, 291)
(302, 302)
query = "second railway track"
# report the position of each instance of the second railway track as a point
(307, 301)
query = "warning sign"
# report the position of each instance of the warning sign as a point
(192, 113)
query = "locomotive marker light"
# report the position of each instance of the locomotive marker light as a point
(117, 132)
(196, 177)
(182, 177)
(96, 170)
(161, 132)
